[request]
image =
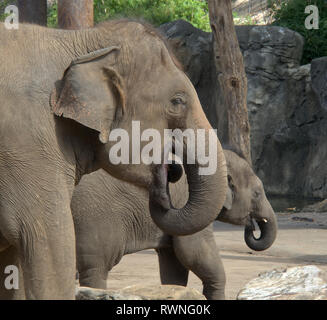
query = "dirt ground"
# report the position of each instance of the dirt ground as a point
(301, 240)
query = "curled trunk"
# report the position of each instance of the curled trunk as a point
(268, 230)
(206, 197)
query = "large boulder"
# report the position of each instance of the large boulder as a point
(296, 283)
(286, 102)
(140, 292)
(86, 293)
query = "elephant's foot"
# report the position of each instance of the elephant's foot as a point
(93, 278)
(214, 291)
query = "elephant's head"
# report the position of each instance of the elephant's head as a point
(136, 80)
(245, 201)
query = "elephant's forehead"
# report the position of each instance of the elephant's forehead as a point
(238, 166)
(146, 38)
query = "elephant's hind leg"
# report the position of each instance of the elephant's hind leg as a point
(92, 276)
(199, 253)
(171, 270)
(91, 266)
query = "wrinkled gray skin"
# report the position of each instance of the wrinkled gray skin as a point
(112, 219)
(61, 94)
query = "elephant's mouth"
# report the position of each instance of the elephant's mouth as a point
(252, 225)
(174, 172)
(224, 216)
(162, 175)
(174, 169)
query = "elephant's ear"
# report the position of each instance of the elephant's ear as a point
(91, 92)
(229, 195)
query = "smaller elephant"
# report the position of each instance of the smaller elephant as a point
(112, 219)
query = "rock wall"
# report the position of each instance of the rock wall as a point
(287, 102)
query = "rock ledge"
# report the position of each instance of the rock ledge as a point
(296, 283)
(138, 292)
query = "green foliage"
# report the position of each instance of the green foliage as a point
(291, 14)
(156, 12)
(53, 16)
(3, 5)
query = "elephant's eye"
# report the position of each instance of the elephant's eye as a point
(178, 101)
(177, 106)
(257, 194)
(230, 182)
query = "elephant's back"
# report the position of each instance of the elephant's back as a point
(31, 61)
(98, 194)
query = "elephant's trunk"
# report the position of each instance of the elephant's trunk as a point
(206, 197)
(268, 229)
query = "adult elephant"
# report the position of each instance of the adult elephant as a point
(62, 93)
(110, 225)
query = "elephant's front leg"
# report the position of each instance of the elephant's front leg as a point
(36, 220)
(48, 259)
(199, 253)
(171, 270)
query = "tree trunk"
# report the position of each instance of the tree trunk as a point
(233, 122)
(33, 11)
(75, 14)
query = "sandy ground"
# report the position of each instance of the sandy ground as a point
(301, 240)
